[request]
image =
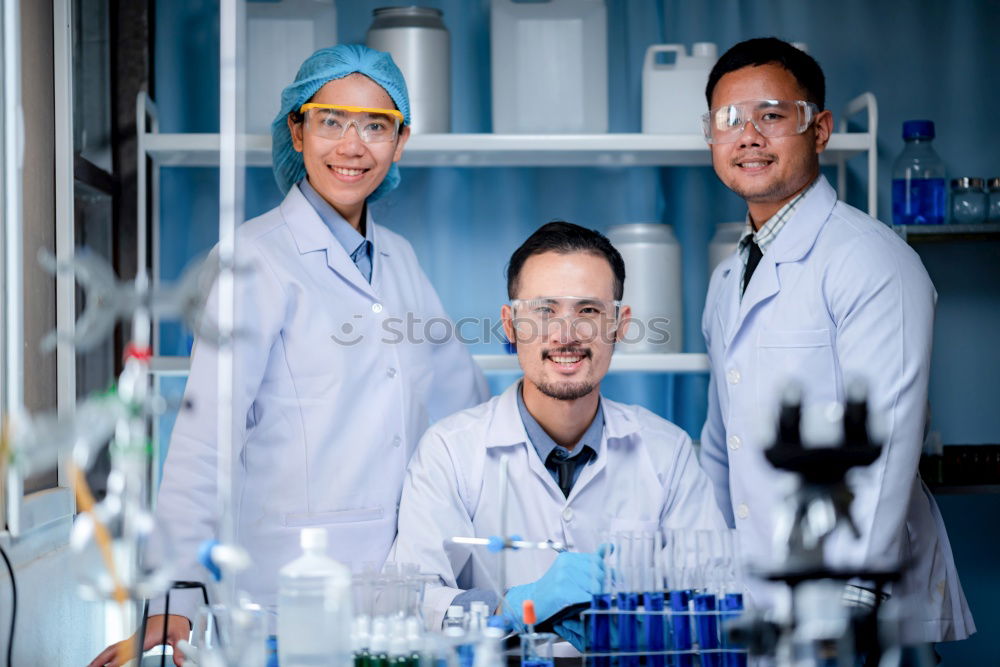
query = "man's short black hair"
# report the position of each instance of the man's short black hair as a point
(565, 237)
(767, 50)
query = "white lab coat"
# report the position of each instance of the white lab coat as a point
(323, 430)
(645, 477)
(838, 295)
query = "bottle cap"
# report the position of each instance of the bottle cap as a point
(918, 129)
(528, 611)
(455, 611)
(313, 538)
(967, 182)
(379, 640)
(704, 50)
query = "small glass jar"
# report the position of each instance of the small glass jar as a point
(968, 201)
(993, 215)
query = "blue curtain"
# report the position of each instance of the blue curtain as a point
(925, 59)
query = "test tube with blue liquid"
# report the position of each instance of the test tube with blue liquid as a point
(731, 599)
(628, 599)
(731, 605)
(679, 577)
(653, 598)
(709, 579)
(599, 630)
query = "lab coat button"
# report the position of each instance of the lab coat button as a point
(396, 441)
(734, 442)
(734, 376)
(742, 511)
(376, 307)
(567, 514)
(391, 372)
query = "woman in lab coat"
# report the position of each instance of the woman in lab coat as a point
(329, 398)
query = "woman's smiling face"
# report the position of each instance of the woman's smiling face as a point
(346, 171)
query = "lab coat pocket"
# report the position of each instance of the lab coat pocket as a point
(302, 519)
(803, 356)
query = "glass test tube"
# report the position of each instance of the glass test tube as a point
(599, 625)
(707, 624)
(680, 595)
(731, 604)
(628, 600)
(653, 598)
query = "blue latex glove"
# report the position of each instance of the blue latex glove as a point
(572, 631)
(573, 578)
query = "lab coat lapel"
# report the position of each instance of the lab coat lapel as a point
(792, 244)
(312, 235)
(729, 299)
(617, 426)
(507, 429)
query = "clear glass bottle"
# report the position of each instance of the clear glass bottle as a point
(993, 214)
(918, 178)
(968, 201)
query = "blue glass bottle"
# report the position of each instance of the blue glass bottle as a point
(919, 190)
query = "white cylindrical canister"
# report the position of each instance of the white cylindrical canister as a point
(723, 244)
(652, 286)
(419, 44)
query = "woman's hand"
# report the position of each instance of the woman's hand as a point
(178, 627)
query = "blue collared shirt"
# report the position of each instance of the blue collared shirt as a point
(544, 445)
(359, 247)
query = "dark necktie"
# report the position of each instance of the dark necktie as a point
(752, 262)
(565, 467)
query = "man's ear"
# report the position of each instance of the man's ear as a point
(624, 321)
(824, 128)
(507, 318)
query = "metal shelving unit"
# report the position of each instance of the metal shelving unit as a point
(624, 362)
(497, 150)
(947, 233)
(547, 150)
(620, 150)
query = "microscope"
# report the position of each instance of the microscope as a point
(820, 444)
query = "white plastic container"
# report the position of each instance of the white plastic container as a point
(723, 244)
(673, 94)
(280, 36)
(314, 607)
(652, 286)
(418, 41)
(549, 63)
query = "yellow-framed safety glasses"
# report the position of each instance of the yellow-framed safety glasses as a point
(331, 121)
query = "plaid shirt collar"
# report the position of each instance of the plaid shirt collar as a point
(765, 236)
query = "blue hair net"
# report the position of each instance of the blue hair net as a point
(323, 66)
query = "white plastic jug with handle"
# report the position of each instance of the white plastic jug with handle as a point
(549, 62)
(673, 94)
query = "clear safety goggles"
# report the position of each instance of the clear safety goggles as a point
(331, 121)
(771, 118)
(586, 317)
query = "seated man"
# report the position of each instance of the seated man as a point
(579, 464)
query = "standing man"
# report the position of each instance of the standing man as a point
(818, 293)
(579, 463)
